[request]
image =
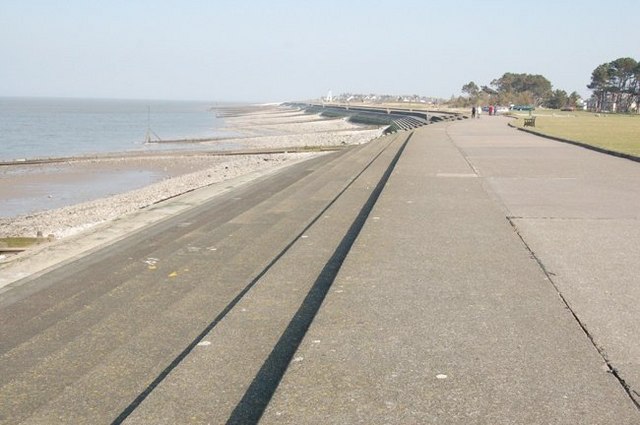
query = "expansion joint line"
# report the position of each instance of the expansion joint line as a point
(464, 156)
(177, 360)
(611, 369)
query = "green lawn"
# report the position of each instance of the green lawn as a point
(615, 132)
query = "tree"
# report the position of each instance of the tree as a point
(574, 98)
(534, 87)
(616, 85)
(622, 72)
(600, 85)
(558, 99)
(488, 90)
(471, 89)
(635, 87)
(530, 89)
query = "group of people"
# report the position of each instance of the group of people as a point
(477, 110)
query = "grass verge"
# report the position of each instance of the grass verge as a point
(615, 132)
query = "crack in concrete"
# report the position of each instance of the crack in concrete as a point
(549, 275)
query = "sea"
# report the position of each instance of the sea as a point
(40, 128)
(61, 127)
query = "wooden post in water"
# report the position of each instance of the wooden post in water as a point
(147, 137)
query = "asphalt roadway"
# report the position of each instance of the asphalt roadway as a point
(462, 273)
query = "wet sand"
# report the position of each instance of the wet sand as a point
(65, 198)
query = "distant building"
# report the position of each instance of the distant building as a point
(329, 97)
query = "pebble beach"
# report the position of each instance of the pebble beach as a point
(167, 174)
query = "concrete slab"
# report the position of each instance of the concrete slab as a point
(578, 210)
(220, 371)
(43, 258)
(594, 264)
(441, 315)
(117, 317)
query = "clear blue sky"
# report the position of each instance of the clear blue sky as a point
(278, 50)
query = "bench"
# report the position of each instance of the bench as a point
(530, 122)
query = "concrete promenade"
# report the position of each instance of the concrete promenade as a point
(447, 309)
(462, 273)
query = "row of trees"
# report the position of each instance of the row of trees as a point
(616, 85)
(519, 89)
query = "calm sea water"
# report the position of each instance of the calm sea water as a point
(51, 127)
(46, 128)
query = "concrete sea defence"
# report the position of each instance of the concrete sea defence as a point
(429, 276)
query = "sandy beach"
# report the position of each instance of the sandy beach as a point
(153, 177)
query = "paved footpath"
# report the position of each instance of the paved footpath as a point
(464, 273)
(442, 314)
(578, 211)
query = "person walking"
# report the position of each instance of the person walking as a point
(473, 112)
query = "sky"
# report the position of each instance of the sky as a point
(284, 50)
